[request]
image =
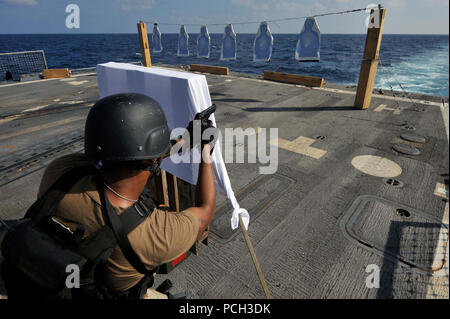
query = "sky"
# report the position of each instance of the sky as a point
(121, 16)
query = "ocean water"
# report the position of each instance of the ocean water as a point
(419, 63)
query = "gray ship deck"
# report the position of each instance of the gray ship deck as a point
(317, 223)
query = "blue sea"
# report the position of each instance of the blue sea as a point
(420, 63)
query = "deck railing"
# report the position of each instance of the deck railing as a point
(15, 64)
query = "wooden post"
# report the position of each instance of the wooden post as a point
(369, 65)
(165, 191)
(175, 190)
(143, 37)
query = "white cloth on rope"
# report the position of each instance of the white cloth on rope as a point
(183, 42)
(181, 95)
(156, 39)
(262, 47)
(308, 45)
(229, 45)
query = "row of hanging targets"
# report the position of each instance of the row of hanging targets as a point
(307, 49)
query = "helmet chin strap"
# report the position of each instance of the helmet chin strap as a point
(154, 167)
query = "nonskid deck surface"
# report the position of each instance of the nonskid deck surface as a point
(341, 201)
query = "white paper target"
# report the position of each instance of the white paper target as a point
(156, 39)
(308, 45)
(183, 42)
(229, 46)
(262, 47)
(203, 43)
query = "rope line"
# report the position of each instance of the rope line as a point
(394, 77)
(257, 22)
(390, 80)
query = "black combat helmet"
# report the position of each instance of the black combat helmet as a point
(126, 127)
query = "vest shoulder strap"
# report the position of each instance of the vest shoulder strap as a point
(121, 226)
(133, 216)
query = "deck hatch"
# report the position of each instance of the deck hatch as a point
(398, 233)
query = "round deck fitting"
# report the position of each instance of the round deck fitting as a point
(409, 127)
(393, 182)
(406, 149)
(413, 138)
(403, 213)
(319, 137)
(376, 166)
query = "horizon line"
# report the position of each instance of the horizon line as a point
(175, 33)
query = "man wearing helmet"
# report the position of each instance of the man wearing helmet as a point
(126, 136)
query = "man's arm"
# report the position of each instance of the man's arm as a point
(205, 196)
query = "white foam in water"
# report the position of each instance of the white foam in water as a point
(262, 47)
(156, 39)
(183, 42)
(308, 45)
(229, 46)
(203, 43)
(425, 72)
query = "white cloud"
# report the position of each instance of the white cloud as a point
(438, 2)
(131, 5)
(246, 3)
(22, 2)
(396, 4)
(269, 5)
(284, 8)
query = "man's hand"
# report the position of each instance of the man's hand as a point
(205, 195)
(198, 133)
(208, 133)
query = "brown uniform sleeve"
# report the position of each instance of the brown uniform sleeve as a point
(164, 237)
